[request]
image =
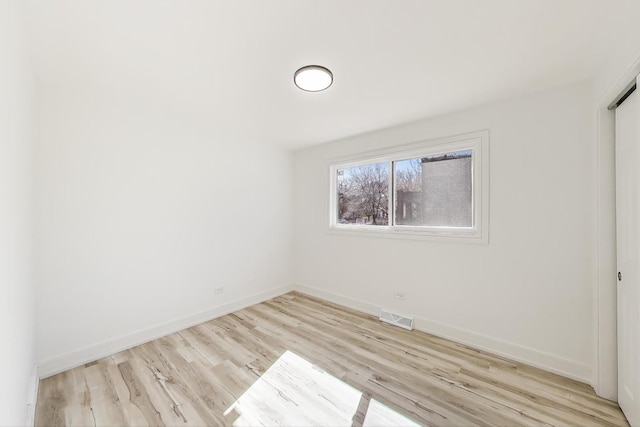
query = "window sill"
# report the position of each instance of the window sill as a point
(445, 235)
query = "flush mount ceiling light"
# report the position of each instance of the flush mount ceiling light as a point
(313, 78)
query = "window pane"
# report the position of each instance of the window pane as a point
(363, 197)
(434, 190)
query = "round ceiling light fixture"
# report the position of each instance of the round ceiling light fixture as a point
(313, 78)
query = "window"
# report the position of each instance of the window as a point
(434, 189)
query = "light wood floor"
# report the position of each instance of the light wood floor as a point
(297, 360)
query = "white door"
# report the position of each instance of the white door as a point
(628, 244)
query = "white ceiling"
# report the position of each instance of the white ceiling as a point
(230, 64)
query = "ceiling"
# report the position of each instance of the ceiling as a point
(230, 64)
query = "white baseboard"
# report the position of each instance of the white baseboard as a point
(359, 305)
(539, 359)
(93, 352)
(549, 362)
(33, 397)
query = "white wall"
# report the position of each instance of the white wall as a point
(17, 357)
(142, 212)
(622, 54)
(528, 294)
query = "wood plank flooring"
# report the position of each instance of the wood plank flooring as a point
(297, 360)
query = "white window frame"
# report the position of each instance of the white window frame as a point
(477, 142)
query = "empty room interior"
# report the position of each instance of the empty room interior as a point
(296, 212)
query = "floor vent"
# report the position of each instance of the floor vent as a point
(397, 319)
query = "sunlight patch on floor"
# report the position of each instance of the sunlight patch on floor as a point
(294, 392)
(380, 415)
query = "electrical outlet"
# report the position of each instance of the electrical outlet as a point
(217, 291)
(399, 295)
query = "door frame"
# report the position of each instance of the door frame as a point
(605, 366)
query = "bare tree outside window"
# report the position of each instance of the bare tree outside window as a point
(408, 175)
(363, 197)
(408, 191)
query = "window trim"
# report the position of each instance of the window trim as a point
(477, 141)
